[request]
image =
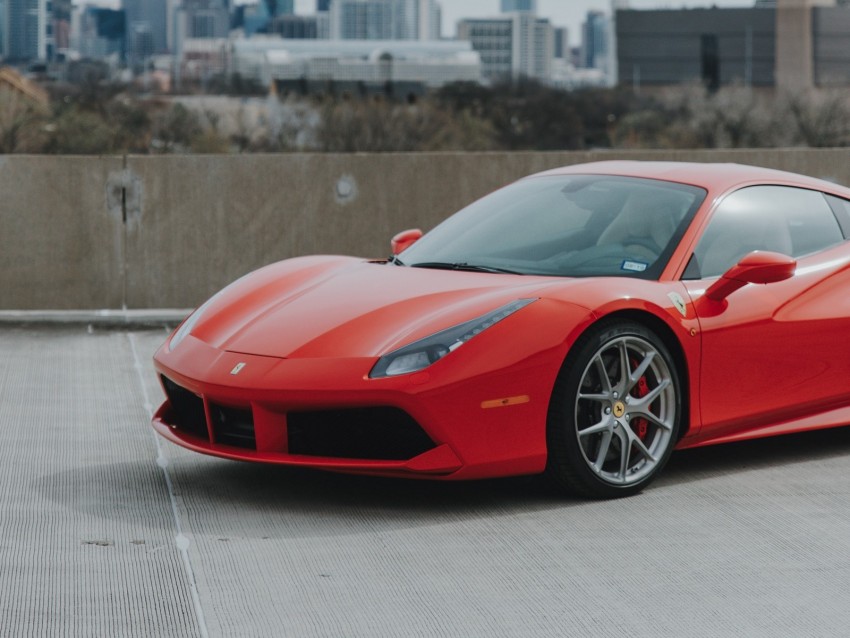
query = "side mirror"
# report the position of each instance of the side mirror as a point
(404, 240)
(759, 267)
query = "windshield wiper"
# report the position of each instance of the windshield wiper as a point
(462, 265)
(393, 259)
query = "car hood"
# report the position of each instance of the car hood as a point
(341, 307)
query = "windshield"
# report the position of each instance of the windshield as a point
(564, 225)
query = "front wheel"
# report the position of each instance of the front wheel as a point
(615, 412)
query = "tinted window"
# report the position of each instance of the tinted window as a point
(791, 221)
(841, 208)
(569, 225)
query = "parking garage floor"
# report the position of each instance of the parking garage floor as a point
(105, 530)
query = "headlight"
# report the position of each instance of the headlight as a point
(186, 327)
(422, 353)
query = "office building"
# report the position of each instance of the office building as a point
(830, 50)
(202, 19)
(147, 30)
(398, 67)
(790, 45)
(595, 36)
(100, 33)
(561, 44)
(200, 59)
(417, 20)
(715, 46)
(27, 33)
(199, 26)
(384, 20)
(363, 19)
(512, 46)
(814, 47)
(296, 27)
(259, 16)
(255, 18)
(61, 17)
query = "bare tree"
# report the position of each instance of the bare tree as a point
(22, 123)
(377, 125)
(689, 116)
(820, 118)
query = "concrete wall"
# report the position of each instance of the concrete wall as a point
(60, 244)
(166, 232)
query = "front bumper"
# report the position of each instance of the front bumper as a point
(444, 422)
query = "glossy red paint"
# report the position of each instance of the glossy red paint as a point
(404, 240)
(308, 331)
(774, 356)
(756, 268)
(446, 399)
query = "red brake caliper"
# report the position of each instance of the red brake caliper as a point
(640, 425)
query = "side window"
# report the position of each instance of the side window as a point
(841, 208)
(791, 221)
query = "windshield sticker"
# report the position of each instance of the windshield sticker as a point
(633, 266)
(677, 300)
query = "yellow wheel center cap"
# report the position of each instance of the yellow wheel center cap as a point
(619, 409)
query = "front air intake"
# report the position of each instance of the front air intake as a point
(232, 426)
(188, 408)
(375, 433)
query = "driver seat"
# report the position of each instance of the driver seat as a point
(645, 220)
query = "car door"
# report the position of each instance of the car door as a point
(775, 352)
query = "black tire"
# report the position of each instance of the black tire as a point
(609, 434)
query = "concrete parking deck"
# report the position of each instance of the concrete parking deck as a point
(107, 531)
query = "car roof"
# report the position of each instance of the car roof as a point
(711, 176)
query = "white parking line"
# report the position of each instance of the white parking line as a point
(182, 540)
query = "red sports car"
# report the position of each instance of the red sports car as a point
(583, 322)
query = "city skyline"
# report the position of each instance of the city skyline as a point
(562, 13)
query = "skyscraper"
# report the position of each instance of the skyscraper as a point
(25, 30)
(323, 5)
(384, 20)
(561, 43)
(511, 46)
(293, 27)
(595, 41)
(510, 6)
(147, 29)
(203, 19)
(418, 20)
(61, 18)
(363, 19)
(261, 17)
(101, 32)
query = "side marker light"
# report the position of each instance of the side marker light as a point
(501, 403)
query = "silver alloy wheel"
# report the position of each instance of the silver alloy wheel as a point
(625, 410)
